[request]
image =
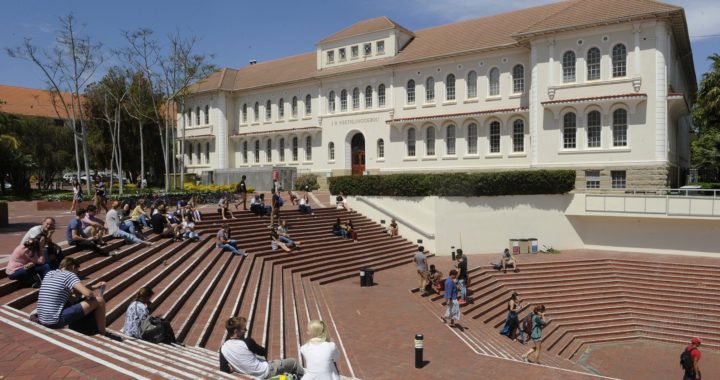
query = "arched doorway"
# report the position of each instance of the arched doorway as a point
(357, 149)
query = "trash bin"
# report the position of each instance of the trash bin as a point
(534, 246)
(514, 246)
(366, 277)
(524, 246)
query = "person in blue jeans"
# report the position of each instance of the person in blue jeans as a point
(224, 242)
(451, 295)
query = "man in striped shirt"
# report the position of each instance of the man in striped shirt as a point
(56, 288)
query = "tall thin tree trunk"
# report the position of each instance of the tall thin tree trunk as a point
(142, 156)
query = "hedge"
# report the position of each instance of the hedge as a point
(457, 184)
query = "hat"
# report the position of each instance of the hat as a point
(696, 340)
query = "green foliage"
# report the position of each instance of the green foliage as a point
(706, 119)
(706, 150)
(306, 182)
(708, 185)
(457, 184)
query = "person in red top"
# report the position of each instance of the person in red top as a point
(695, 354)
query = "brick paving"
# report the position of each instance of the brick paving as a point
(377, 326)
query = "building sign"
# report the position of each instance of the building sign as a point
(365, 120)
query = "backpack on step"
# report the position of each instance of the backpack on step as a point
(156, 330)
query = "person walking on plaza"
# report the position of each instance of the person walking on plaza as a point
(451, 295)
(241, 354)
(100, 195)
(77, 195)
(538, 324)
(241, 191)
(690, 360)
(512, 321)
(224, 242)
(277, 202)
(421, 266)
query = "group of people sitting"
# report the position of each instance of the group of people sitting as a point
(345, 230)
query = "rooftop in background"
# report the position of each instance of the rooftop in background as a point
(30, 102)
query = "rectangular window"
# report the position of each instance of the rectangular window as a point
(380, 47)
(592, 179)
(518, 136)
(354, 51)
(367, 49)
(495, 137)
(342, 54)
(331, 57)
(618, 179)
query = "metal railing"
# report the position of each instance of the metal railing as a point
(670, 202)
(405, 222)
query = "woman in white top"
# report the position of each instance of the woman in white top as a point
(320, 355)
(137, 312)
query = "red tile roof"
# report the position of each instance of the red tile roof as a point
(365, 27)
(595, 98)
(453, 115)
(30, 102)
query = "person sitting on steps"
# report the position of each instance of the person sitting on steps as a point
(508, 260)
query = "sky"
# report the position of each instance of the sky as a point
(235, 32)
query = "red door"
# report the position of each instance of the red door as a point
(358, 163)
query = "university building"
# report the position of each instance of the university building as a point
(603, 88)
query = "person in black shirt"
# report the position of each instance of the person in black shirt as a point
(161, 225)
(241, 190)
(462, 266)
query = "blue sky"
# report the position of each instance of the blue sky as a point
(237, 31)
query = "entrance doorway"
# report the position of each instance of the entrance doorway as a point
(357, 148)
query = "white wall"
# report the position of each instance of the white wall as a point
(484, 224)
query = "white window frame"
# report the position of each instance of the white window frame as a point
(518, 136)
(494, 82)
(592, 61)
(471, 85)
(494, 131)
(518, 74)
(472, 138)
(410, 92)
(430, 90)
(594, 129)
(569, 131)
(450, 87)
(569, 61)
(450, 140)
(619, 61)
(592, 179)
(620, 128)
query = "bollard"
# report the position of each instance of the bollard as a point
(452, 252)
(418, 350)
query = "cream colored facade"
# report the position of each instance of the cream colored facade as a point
(620, 122)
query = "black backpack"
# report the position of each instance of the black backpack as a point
(157, 330)
(686, 360)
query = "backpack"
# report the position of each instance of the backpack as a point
(156, 330)
(279, 202)
(527, 324)
(686, 360)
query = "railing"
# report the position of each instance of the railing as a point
(403, 221)
(668, 202)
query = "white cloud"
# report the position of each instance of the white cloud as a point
(701, 14)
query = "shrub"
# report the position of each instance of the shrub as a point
(306, 182)
(457, 184)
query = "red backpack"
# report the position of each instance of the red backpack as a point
(527, 323)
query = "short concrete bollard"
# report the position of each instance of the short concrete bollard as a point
(419, 350)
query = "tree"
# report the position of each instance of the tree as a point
(68, 67)
(706, 118)
(14, 163)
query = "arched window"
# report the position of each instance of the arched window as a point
(295, 149)
(430, 141)
(619, 61)
(308, 148)
(494, 79)
(293, 107)
(368, 97)
(257, 151)
(620, 127)
(593, 129)
(343, 100)
(190, 154)
(410, 99)
(518, 136)
(308, 105)
(569, 131)
(197, 116)
(207, 153)
(268, 110)
(472, 139)
(495, 137)
(207, 114)
(430, 90)
(256, 112)
(281, 149)
(244, 113)
(450, 140)
(568, 67)
(518, 79)
(356, 98)
(472, 85)
(593, 64)
(450, 87)
(411, 142)
(281, 108)
(331, 151)
(245, 152)
(331, 102)
(268, 150)
(380, 148)
(381, 95)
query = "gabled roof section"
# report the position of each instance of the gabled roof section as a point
(223, 79)
(365, 27)
(31, 102)
(576, 14)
